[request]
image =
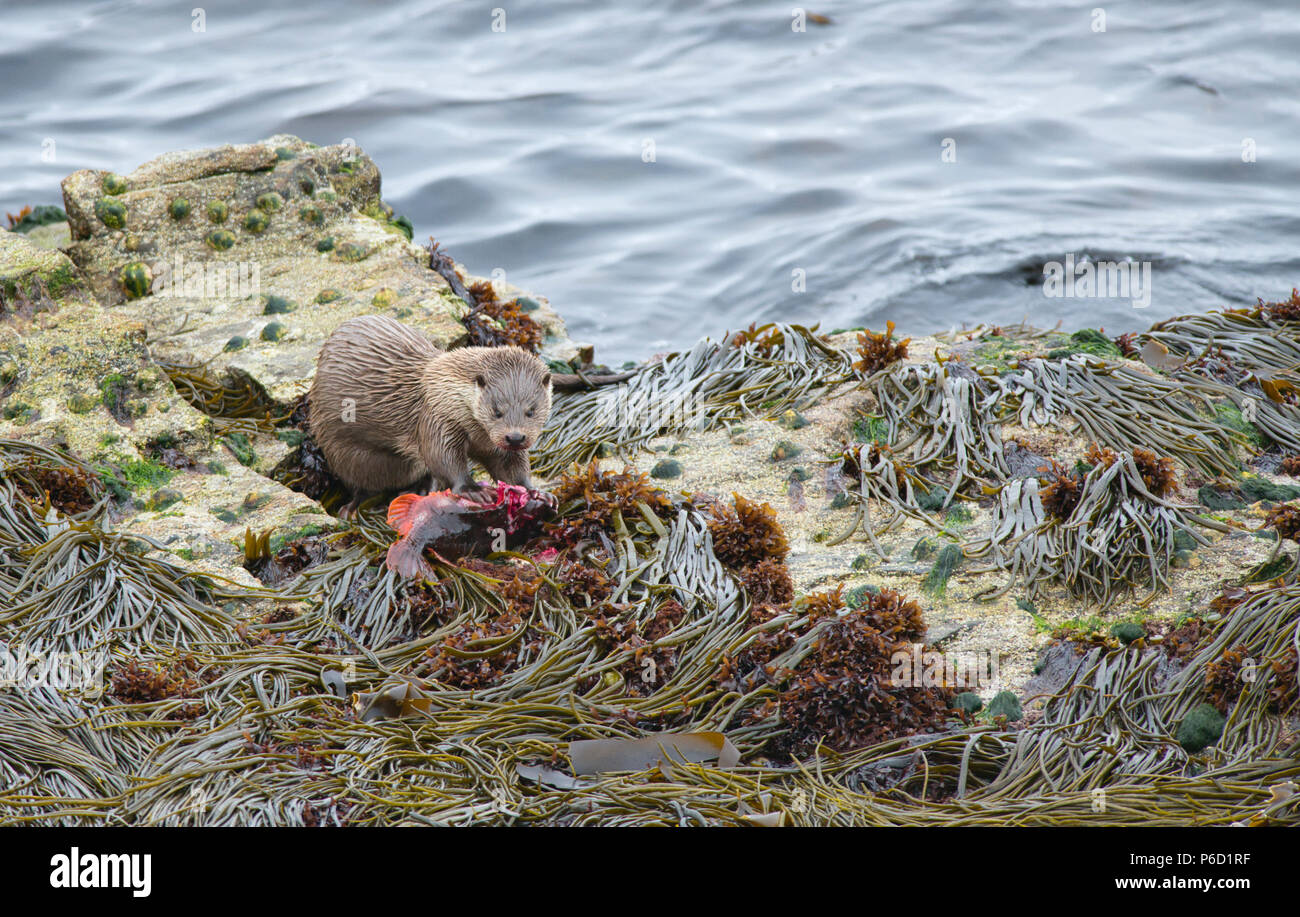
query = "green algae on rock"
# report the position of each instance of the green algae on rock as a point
(114, 184)
(277, 305)
(1200, 728)
(269, 202)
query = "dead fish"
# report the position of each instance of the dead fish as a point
(454, 525)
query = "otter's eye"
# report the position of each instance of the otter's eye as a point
(528, 413)
(497, 415)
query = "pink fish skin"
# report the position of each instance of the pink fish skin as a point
(455, 525)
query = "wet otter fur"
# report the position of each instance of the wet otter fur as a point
(391, 411)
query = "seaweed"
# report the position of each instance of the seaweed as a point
(490, 322)
(710, 386)
(137, 682)
(747, 534)
(1123, 409)
(1062, 492)
(878, 351)
(935, 583)
(233, 395)
(591, 499)
(1118, 534)
(841, 694)
(658, 613)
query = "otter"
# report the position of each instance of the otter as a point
(392, 411)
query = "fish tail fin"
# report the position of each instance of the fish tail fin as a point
(401, 513)
(406, 558)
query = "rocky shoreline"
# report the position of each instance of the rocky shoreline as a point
(164, 338)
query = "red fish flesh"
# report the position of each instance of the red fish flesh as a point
(498, 517)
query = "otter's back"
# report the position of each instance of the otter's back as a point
(368, 380)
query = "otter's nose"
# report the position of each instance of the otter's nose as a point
(515, 439)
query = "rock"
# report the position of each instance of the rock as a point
(163, 498)
(784, 450)
(1184, 560)
(31, 278)
(212, 258)
(1215, 499)
(941, 634)
(251, 230)
(1021, 462)
(792, 420)
(666, 468)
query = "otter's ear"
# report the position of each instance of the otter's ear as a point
(546, 379)
(480, 381)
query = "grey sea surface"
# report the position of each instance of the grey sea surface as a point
(663, 171)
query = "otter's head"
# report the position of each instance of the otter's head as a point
(512, 398)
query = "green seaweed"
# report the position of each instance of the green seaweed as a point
(1200, 728)
(936, 581)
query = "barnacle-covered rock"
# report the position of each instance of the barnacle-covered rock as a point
(83, 378)
(334, 191)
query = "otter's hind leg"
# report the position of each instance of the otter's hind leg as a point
(348, 511)
(368, 471)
